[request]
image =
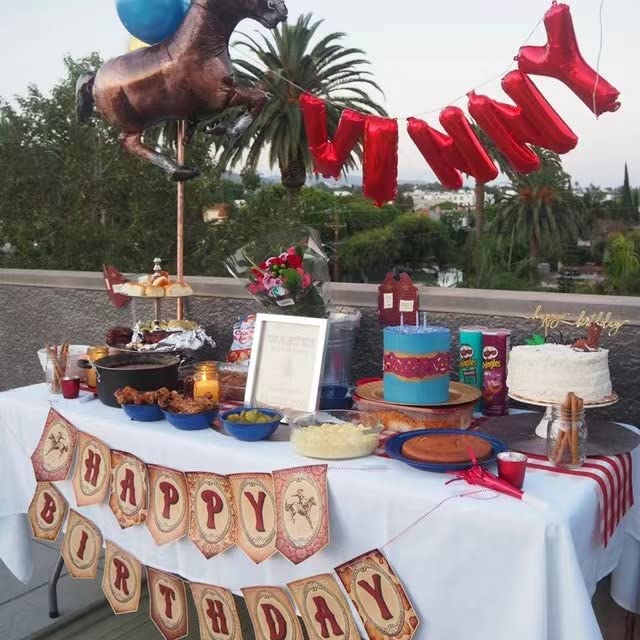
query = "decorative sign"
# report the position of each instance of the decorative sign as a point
(168, 604)
(168, 504)
(81, 547)
(302, 511)
(272, 615)
(53, 457)
(255, 505)
(324, 609)
(113, 277)
(553, 320)
(212, 523)
(379, 597)
(286, 362)
(121, 579)
(217, 613)
(93, 471)
(129, 489)
(47, 512)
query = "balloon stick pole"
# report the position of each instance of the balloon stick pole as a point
(180, 218)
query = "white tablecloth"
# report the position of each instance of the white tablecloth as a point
(473, 568)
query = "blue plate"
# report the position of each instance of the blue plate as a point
(248, 432)
(143, 412)
(393, 448)
(191, 422)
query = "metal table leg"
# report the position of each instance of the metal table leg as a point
(53, 586)
(630, 626)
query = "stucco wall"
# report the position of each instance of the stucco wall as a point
(32, 316)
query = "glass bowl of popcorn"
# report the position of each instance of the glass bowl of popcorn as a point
(336, 435)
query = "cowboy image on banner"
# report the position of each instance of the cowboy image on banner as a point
(93, 471)
(302, 511)
(168, 505)
(217, 613)
(53, 456)
(121, 579)
(129, 489)
(212, 521)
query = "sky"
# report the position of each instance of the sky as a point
(424, 54)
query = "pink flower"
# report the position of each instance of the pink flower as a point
(254, 288)
(306, 281)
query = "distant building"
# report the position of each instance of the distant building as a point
(216, 213)
(464, 198)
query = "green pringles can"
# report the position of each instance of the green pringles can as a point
(470, 340)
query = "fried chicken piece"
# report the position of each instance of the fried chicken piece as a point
(174, 402)
(127, 395)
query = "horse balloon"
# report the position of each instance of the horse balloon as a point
(187, 77)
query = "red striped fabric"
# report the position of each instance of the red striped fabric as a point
(613, 478)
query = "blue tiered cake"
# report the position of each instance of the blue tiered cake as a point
(417, 362)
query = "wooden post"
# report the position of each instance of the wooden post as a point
(180, 221)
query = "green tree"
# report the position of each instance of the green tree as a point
(70, 198)
(289, 60)
(542, 211)
(409, 242)
(622, 264)
(404, 202)
(629, 212)
(251, 180)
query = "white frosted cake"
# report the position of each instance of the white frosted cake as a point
(547, 372)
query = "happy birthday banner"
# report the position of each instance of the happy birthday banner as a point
(286, 511)
(532, 121)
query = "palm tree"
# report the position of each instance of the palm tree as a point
(479, 187)
(542, 211)
(288, 61)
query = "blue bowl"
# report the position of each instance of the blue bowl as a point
(143, 412)
(191, 422)
(335, 397)
(251, 432)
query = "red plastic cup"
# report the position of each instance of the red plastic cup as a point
(70, 387)
(512, 467)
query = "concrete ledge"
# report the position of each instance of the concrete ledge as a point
(516, 304)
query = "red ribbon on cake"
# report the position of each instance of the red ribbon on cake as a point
(417, 367)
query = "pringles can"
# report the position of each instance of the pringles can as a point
(495, 353)
(470, 368)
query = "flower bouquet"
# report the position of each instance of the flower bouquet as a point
(291, 279)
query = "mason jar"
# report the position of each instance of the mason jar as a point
(567, 437)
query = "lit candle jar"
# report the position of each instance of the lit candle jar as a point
(205, 381)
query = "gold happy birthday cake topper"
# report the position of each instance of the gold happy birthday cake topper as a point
(553, 320)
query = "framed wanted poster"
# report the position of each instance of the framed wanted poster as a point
(287, 360)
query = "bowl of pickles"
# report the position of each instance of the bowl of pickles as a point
(251, 425)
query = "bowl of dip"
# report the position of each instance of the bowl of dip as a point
(336, 435)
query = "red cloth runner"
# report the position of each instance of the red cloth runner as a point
(612, 475)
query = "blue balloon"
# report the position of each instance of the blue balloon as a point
(152, 21)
